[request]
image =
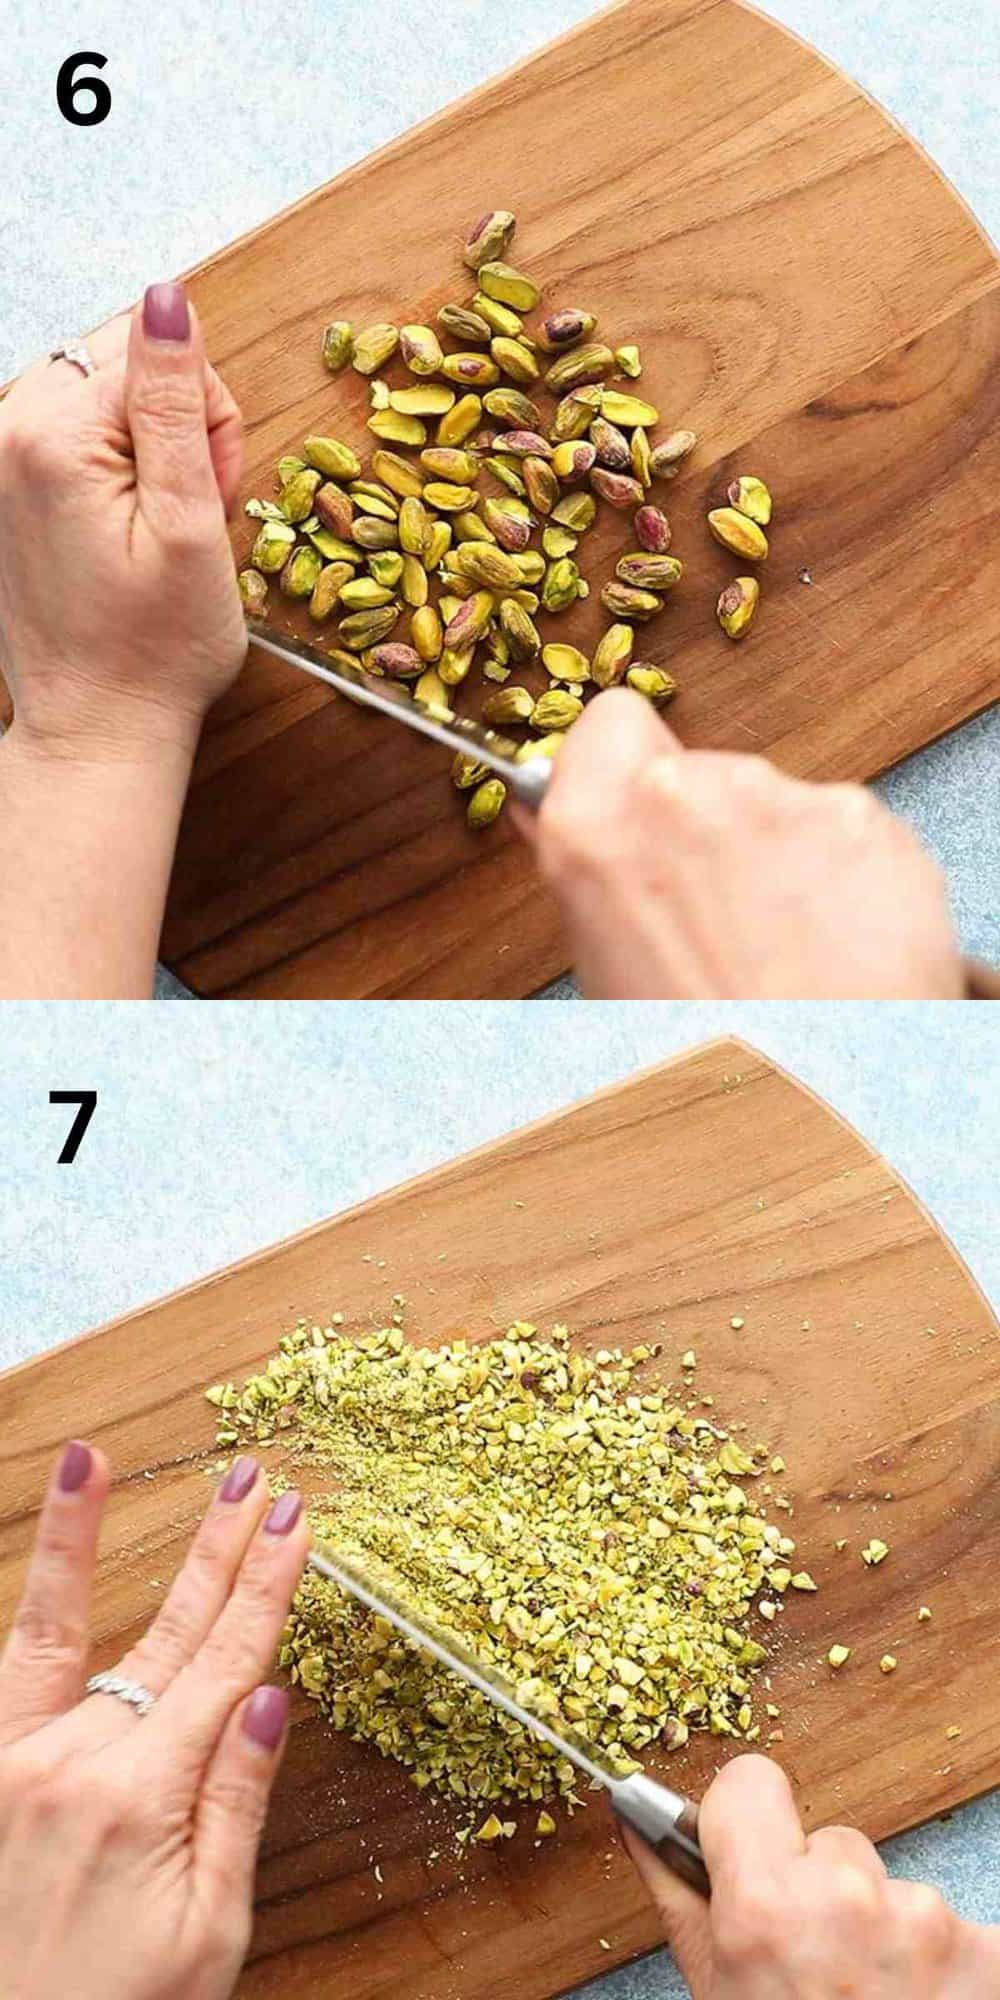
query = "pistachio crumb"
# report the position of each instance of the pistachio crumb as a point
(838, 1656)
(875, 1553)
(888, 1663)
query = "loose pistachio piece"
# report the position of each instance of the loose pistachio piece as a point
(739, 534)
(509, 287)
(397, 429)
(397, 660)
(581, 367)
(474, 371)
(507, 705)
(619, 489)
(506, 471)
(367, 628)
(557, 542)
(649, 572)
(438, 543)
(652, 530)
(751, 497)
(371, 532)
(414, 526)
(460, 421)
(652, 682)
(465, 325)
(490, 567)
(640, 454)
(470, 622)
(362, 593)
(516, 411)
(509, 520)
(626, 601)
(566, 663)
(386, 566)
(448, 498)
(483, 808)
(611, 446)
(327, 589)
(666, 458)
(420, 349)
(565, 329)
(448, 462)
(335, 509)
(338, 345)
(275, 540)
(613, 656)
(253, 591)
(519, 631)
(573, 418)
(576, 511)
(426, 632)
(466, 772)
(532, 566)
(454, 664)
(737, 606)
(297, 498)
(574, 459)
(561, 585)
(499, 318)
(469, 527)
(334, 459)
(424, 399)
(555, 710)
(299, 576)
(400, 475)
(332, 547)
(514, 359)
(489, 237)
(373, 347)
(432, 693)
(541, 484)
(628, 411)
(629, 360)
(413, 582)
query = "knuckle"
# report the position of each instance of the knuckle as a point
(48, 1636)
(930, 1924)
(29, 448)
(856, 1896)
(568, 850)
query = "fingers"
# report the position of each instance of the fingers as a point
(234, 1798)
(167, 408)
(684, 1916)
(225, 438)
(748, 1826)
(241, 1646)
(845, 1847)
(616, 737)
(195, 1600)
(44, 1663)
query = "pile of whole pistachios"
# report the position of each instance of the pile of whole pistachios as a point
(404, 521)
(596, 1540)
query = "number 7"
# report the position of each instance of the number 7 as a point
(87, 1102)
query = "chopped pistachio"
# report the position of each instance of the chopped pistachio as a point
(888, 1663)
(875, 1553)
(803, 1581)
(838, 1656)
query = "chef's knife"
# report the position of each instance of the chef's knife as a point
(665, 1819)
(526, 782)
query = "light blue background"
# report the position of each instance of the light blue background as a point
(225, 113)
(221, 1129)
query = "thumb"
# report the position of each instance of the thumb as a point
(165, 404)
(236, 1789)
(683, 1914)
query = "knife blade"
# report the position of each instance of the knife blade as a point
(527, 781)
(664, 1818)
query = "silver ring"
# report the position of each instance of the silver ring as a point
(131, 1692)
(78, 353)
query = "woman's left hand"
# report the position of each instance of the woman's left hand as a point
(120, 618)
(128, 1844)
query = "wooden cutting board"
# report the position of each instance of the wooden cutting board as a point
(808, 294)
(714, 1188)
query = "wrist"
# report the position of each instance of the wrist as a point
(105, 729)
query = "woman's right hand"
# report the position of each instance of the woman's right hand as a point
(807, 1917)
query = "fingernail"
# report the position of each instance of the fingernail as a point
(239, 1479)
(74, 1467)
(165, 313)
(265, 1716)
(284, 1514)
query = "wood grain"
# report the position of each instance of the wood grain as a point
(711, 1188)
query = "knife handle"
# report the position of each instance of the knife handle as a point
(667, 1822)
(529, 782)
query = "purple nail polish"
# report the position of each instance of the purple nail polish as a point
(74, 1467)
(284, 1514)
(239, 1479)
(165, 313)
(265, 1717)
